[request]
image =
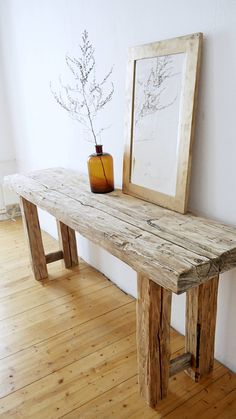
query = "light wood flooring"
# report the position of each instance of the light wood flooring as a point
(68, 349)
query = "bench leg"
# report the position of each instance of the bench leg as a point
(33, 234)
(153, 340)
(68, 245)
(201, 305)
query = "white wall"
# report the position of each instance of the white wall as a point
(7, 149)
(36, 34)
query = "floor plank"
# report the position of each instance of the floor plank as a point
(49, 319)
(68, 347)
(65, 348)
(74, 384)
(75, 285)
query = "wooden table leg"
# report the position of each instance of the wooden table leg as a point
(33, 234)
(67, 241)
(201, 306)
(153, 340)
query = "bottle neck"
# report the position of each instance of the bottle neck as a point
(98, 149)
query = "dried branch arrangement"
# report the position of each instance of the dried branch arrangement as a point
(86, 97)
(153, 88)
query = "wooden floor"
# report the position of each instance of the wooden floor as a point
(68, 349)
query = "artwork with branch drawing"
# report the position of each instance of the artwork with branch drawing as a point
(156, 114)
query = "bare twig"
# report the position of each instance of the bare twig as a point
(86, 97)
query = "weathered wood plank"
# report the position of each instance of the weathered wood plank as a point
(153, 340)
(180, 363)
(201, 307)
(54, 256)
(142, 251)
(182, 251)
(67, 241)
(189, 231)
(34, 238)
(73, 247)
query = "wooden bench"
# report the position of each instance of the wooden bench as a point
(169, 251)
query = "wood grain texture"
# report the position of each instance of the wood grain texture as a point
(34, 238)
(67, 242)
(176, 251)
(54, 256)
(153, 340)
(201, 307)
(63, 358)
(180, 363)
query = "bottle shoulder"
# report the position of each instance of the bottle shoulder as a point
(95, 155)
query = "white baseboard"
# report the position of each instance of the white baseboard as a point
(10, 212)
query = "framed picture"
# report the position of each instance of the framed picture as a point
(161, 100)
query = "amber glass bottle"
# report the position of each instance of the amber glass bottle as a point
(100, 169)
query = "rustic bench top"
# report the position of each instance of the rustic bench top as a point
(176, 251)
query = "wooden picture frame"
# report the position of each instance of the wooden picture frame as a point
(161, 93)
